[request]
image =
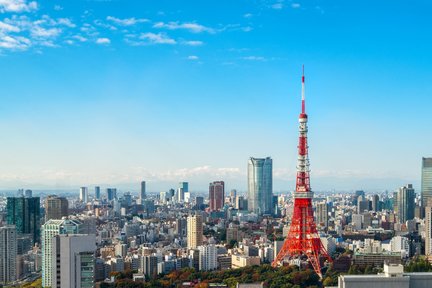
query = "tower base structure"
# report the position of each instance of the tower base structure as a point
(303, 238)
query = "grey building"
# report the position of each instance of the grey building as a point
(260, 185)
(8, 254)
(143, 191)
(426, 182)
(405, 203)
(73, 261)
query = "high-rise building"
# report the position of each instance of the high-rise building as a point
(181, 227)
(97, 193)
(56, 207)
(428, 230)
(143, 191)
(207, 257)
(184, 186)
(73, 261)
(260, 185)
(50, 229)
(199, 202)
(216, 195)
(241, 203)
(24, 213)
(321, 214)
(8, 254)
(375, 203)
(406, 203)
(111, 194)
(83, 195)
(426, 182)
(363, 204)
(28, 193)
(194, 231)
(149, 265)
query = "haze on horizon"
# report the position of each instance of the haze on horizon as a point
(115, 92)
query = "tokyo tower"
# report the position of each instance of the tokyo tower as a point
(303, 237)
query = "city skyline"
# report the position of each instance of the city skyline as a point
(115, 93)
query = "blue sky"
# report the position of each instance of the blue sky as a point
(112, 92)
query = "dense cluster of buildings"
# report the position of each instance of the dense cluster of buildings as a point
(80, 241)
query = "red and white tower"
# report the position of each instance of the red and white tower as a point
(303, 237)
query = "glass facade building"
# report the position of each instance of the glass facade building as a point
(260, 185)
(24, 213)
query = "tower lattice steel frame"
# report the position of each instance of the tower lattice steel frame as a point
(303, 238)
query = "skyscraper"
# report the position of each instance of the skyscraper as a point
(143, 191)
(405, 202)
(260, 185)
(216, 195)
(111, 193)
(8, 254)
(24, 213)
(428, 230)
(375, 203)
(50, 229)
(97, 193)
(73, 261)
(321, 214)
(426, 182)
(83, 196)
(194, 231)
(56, 207)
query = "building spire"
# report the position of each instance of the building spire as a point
(303, 93)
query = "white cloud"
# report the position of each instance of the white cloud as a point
(80, 38)
(5, 27)
(247, 15)
(17, 6)
(192, 43)
(158, 38)
(126, 21)
(254, 58)
(192, 27)
(14, 42)
(104, 41)
(70, 42)
(192, 57)
(38, 31)
(66, 22)
(295, 5)
(58, 7)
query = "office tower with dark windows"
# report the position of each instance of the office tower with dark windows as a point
(111, 194)
(56, 207)
(426, 182)
(8, 254)
(375, 203)
(260, 185)
(28, 193)
(97, 193)
(73, 261)
(24, 213)
(199, 202)
(83, 195)
(143, 191)
(216, 195)
(405, 203)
